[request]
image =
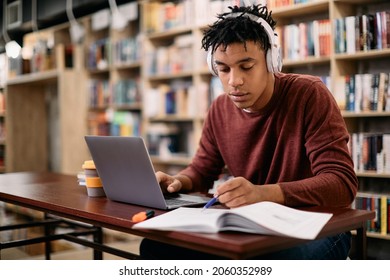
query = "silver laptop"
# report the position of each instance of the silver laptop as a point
(127, 173)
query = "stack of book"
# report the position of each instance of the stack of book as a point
(284, 3)
(366, 92)
(306, 39)
(371, 152)
(99, 54)
(362, 32)
(99, 93)
(172, 59)
(127, 50)
(167, 15)
(381, 205)
(181, 100)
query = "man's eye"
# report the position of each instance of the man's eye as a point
(223, 69)
(246, 67)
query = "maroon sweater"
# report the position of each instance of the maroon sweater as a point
(299, 140)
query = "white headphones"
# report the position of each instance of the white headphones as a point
(273, 56)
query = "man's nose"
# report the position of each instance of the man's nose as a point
(235, 79)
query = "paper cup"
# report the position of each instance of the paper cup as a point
(94, 186)
(92, 180)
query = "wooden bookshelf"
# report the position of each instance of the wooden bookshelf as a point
(2, 127)
(313, 61)
(373, 174)
(120, 77)
(372, 54)
(35, 78)
(337, 65)
(46, 115)
(347, 114)
(303, 9)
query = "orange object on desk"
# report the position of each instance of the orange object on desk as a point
(88, 164)
(93, 182)
(142, 216)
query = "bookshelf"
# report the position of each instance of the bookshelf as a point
(176, 78)
(114, 79)
(3, 75)
(344, 61)
(170, 103)
(2, 129)
(45, 111)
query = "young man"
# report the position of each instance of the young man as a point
(281, 136)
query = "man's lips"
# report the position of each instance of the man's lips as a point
(238, 96)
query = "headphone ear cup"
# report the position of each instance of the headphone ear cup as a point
(273, 59)
(269, 61)
(210, 63)
(278, 59)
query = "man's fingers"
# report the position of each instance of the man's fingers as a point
(175, 186)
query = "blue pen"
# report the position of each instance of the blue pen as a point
(211, 202)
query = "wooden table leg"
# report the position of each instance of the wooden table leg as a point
(98, 238)
(361, 243)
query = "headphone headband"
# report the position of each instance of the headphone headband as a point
(273, 57)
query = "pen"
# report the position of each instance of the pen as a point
(211, 202)
(142, 216)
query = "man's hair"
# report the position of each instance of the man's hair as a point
(239, 28)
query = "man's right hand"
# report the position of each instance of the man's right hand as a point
(173, 184)
(168, 183)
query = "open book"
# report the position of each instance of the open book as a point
(262, 218)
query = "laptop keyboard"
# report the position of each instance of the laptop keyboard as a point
(173, 201)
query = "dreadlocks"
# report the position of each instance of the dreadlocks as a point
(238, 29)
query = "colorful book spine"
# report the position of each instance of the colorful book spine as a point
(368, 92)
(306, 39)
(362, 32)
(380, 204)
(371, 152)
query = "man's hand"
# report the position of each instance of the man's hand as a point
(239, 191)
(168, 183)
(173, 184)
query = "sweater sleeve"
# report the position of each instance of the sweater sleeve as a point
(326, 142)
(207, 164)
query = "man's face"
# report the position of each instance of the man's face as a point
(244, 76)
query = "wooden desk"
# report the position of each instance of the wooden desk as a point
(61, 195)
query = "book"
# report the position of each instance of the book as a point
(383, 212)
(266, 218)
(366, 89)
(350, 92)
(379, 204)
(340, 35)
(374, 92)
(383, 82)
(386, 153)
(358, 92)
(350, 23)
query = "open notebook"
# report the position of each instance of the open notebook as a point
(266, 218)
